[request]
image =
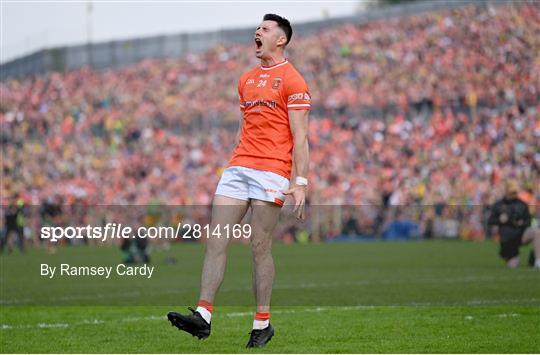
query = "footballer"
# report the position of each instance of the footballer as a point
(269, 162)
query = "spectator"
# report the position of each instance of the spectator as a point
(430, 109)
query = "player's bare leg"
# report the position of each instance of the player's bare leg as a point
(225, 211)
(264, 218)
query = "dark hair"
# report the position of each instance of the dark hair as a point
(282, 22)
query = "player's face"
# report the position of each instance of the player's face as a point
(268, 36)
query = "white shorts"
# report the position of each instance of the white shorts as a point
(246, 183)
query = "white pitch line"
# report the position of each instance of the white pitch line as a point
(506, 315)
(248, 314)
(314, 285)
(465, 279)
(52, 325)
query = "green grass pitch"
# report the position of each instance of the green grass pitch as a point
(394, 297)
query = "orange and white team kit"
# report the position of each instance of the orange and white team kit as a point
(261, 164)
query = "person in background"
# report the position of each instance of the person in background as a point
(14, 223)
(511, 220)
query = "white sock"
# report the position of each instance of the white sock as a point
(207, 316)
(537, 263)
(260, 324)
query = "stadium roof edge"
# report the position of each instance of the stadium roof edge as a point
(122, 52)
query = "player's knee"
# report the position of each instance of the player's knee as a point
(261, 231)
(261, 248)
(215, 248)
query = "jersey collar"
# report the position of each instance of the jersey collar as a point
(275, 65)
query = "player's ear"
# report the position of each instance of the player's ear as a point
(282, 40)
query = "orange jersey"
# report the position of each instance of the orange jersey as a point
(266, 95)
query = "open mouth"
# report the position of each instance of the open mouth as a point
(258, 43)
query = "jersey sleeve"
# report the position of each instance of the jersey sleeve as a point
(240, 96)
(297, 93)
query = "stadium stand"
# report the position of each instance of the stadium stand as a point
(431, 111)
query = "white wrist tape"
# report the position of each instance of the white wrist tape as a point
(301, 181)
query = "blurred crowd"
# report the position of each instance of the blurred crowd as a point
(427, 110)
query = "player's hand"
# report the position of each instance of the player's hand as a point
(299, 195)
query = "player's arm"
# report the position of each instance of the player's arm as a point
(298, 120)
